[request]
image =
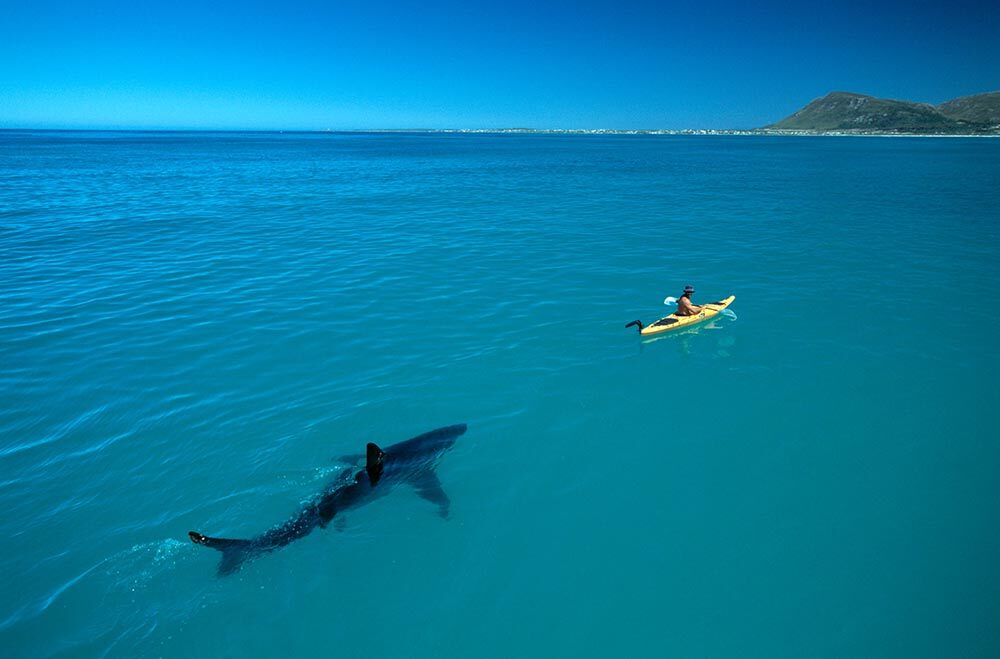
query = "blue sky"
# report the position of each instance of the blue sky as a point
(379, 64)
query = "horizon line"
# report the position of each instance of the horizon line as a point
(647, 132)
(499, 129)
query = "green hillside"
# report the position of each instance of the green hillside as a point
(846, 111)
(981, 108)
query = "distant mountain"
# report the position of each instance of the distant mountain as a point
(857, 113)
(981, 108)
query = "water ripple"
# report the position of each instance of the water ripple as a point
(193, 326)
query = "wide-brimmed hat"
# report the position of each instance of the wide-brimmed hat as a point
(689, 289)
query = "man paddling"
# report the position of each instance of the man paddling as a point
(684, 305)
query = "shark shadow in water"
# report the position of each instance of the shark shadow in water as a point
(411, 462)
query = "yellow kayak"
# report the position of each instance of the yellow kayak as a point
(675, 322)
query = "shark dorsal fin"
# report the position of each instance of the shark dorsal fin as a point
(373, 463)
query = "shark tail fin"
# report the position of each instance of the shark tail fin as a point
(234, 552)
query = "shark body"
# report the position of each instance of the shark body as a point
(411, 462)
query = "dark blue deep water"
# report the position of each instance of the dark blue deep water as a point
(193, 326)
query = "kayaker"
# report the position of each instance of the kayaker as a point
(684, 305)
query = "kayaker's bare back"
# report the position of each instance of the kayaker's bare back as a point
(684, 305)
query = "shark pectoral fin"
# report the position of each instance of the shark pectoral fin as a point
(429, 487)
(374, 459)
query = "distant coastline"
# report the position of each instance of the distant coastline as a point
(749, 132)
(841, 114)
(838, 114)
(687, 131)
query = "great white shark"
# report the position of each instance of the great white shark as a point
(411, 462)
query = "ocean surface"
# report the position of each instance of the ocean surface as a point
(194, 326)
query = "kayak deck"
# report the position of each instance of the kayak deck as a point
(675, 322)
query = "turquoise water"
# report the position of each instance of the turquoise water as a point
(193, 326)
